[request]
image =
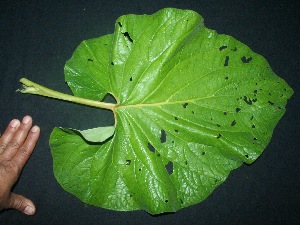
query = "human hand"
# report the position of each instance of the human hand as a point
(16, 145)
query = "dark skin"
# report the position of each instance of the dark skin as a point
(16, 146)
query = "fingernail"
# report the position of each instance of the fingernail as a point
(14, 123)
(35, 129)
(26, 119)
(29, 210)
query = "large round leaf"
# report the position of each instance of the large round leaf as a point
(192, 105)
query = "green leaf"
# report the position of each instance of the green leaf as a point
(87, 74)
(192, 105)
(98, 134)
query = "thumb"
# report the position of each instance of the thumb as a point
(21, 203)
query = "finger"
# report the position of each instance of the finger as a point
(8, 134)
(18, 138)
(24, 152)
(21, 203)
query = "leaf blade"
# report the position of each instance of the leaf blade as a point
(199, 101)
(87, 71)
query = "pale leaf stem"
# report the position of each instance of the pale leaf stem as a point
(30, 87)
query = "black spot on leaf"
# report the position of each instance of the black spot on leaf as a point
(271, 103)
(247, 100)
(130, 79)
(245, 59)
(151, 148)
(185, 105)
(253, 126)
(219, 136)
(163, 136)
(233, 123)
(126, 35)
(222, 47)
(176, 118)
(169, 167)
(237, 110)
(90, 60)
(203, 153)
(225, 113)
(112, 63)
(120, 24)
(226, 78)
(128, 162)
(226, 61)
